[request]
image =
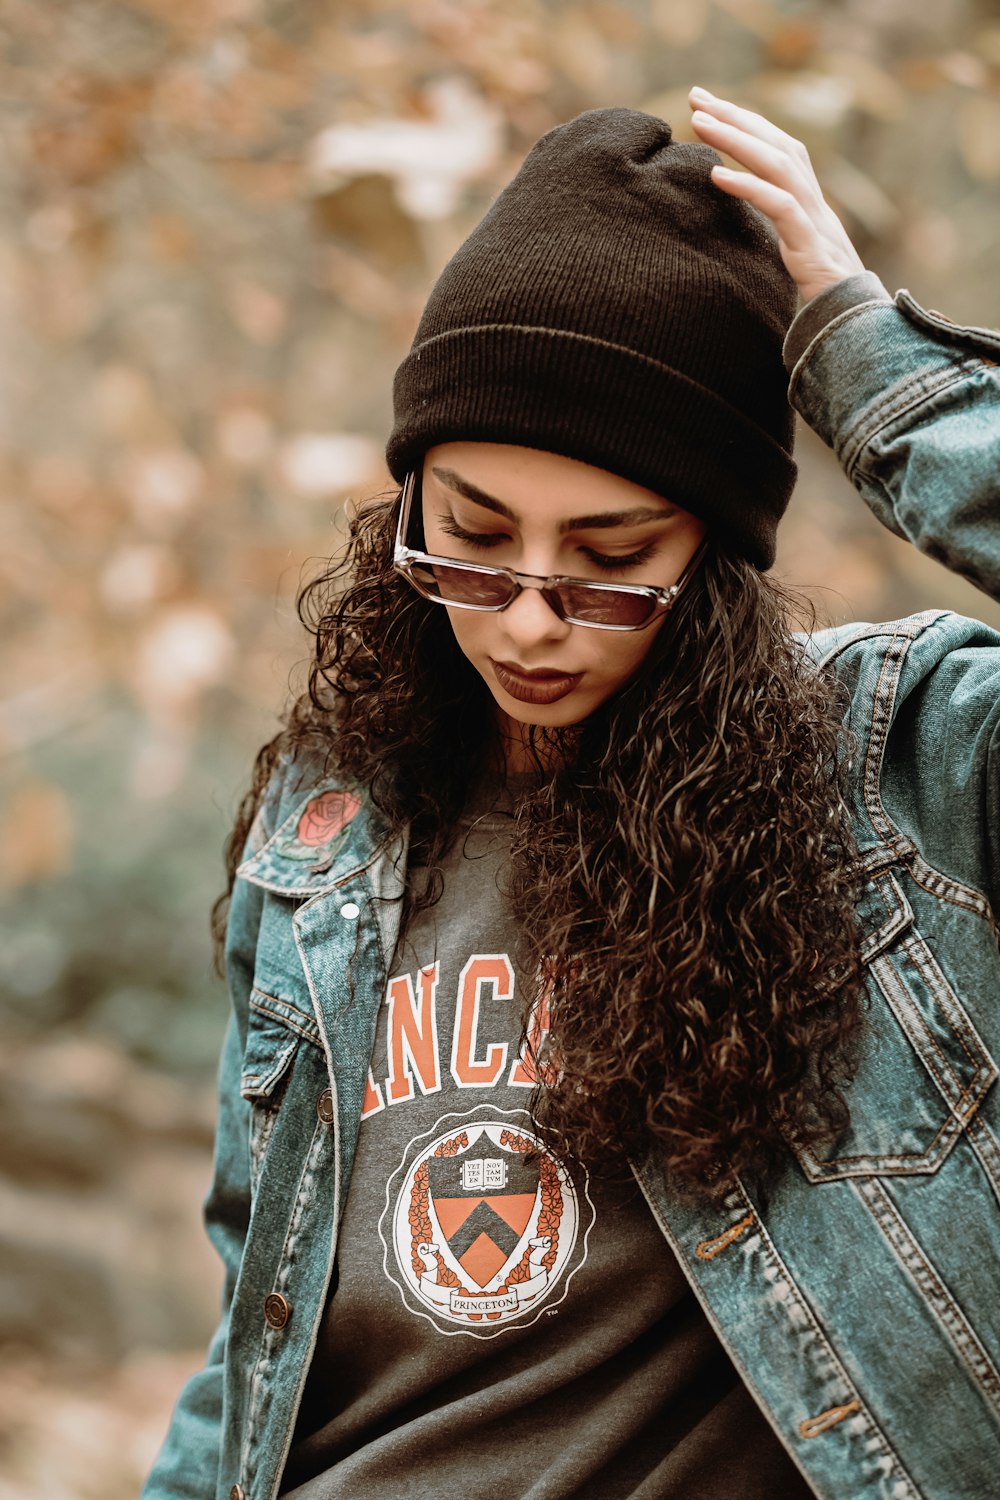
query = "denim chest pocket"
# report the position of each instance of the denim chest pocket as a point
(923, 1069)
(276, 1031)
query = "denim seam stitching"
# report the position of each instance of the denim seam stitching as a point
(954, 1012)
(269, 1339)
(951, 1125)
(936, 883)
(909, 627)
(893, 982)
(930, 1284)
(912, 392)
(987, 1148)
(308, 1032)
(272, 1075)
(960, 1114)
(737, 1202)
(817, 341)
(770, 1252)
(883, 699)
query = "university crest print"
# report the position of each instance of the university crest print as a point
(482, 1224)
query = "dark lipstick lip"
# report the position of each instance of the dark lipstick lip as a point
(535, 687)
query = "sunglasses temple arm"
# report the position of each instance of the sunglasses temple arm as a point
(690, 569)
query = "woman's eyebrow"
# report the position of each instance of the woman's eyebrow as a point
(601, 520)
(641, 516)
(472, 492)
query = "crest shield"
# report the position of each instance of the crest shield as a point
(482, 1223)
(483, 1201)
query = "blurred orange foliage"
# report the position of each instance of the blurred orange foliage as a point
(219, 223)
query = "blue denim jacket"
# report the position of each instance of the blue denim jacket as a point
(859, 1296)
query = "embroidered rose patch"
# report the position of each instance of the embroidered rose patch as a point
(321, 824)
(325, 816)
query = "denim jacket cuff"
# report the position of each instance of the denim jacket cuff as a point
(820, 310)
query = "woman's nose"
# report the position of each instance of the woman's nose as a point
(531, 620)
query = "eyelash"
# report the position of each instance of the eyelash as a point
(487, 540)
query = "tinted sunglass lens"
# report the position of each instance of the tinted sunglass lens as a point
(464, 585)
(598, 606)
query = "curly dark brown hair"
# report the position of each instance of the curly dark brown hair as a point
(685, 870)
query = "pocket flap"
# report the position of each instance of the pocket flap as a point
(269, 1051)
(922, 1070)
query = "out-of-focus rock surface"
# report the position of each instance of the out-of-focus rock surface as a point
(218, 223)
(105, 1278)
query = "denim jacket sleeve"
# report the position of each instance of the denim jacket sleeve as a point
(187, 1465)
(910, 404)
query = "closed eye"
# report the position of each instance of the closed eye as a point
(607, 562)
(622, 562)
(484, 539)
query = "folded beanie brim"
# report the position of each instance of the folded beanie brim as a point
(684, 441)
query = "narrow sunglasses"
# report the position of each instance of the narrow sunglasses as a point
(577, 601)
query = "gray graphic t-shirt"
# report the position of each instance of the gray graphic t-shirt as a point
(503, 1322)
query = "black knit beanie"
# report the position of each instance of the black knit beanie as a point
(615, 306)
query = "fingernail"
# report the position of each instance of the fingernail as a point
(700, 118)
(699, 93)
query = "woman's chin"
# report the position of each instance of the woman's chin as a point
(561, 715)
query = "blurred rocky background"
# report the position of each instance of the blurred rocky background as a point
(218, 221)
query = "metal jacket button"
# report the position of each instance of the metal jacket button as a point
(324, 1106)
(276, 1310)
(236, 1493)
(350, 910)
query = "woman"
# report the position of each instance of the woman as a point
(608, 1106)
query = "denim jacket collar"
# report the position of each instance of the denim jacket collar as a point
(327, 838)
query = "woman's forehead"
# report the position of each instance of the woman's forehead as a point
(519, 483)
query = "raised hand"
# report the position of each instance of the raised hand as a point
(779, 181)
